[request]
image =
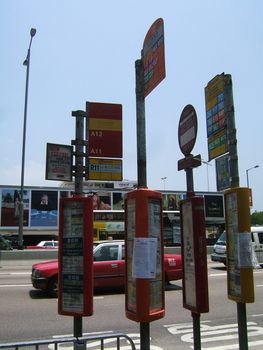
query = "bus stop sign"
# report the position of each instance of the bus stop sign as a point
(187, 129)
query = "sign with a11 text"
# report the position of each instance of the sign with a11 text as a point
(104, 129)
(153, 56)
(58, 162)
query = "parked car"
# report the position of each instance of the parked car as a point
(44, 245)
(219, 249)
(109, 268)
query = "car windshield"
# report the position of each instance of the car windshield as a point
(222, 238)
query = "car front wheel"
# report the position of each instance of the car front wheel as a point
(53, 287)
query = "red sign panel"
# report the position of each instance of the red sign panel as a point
(104, 129)
(153, 56)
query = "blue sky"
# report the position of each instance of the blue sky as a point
(86, 50)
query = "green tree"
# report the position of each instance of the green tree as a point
(257, 218)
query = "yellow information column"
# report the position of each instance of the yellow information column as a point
(240, 281)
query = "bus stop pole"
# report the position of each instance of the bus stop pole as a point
(141, 167)
(79, 141)
(234, 182)
(195, 316)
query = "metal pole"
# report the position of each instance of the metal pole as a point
(21, 202)
(141, 166)
(234, 182)
(140, 119)
(79, 141)
(195, 316)
(254, 167)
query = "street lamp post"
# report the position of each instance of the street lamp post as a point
(21, 202)
(163, 179)
(253, 167)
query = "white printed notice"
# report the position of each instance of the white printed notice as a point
(144, 257)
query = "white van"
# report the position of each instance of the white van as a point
(219, 250)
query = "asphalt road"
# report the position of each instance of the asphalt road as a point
(30, 314)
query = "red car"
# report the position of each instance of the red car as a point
(109, 268)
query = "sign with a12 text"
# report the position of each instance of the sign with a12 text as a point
(104, 129)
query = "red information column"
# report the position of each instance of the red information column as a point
(144, 297)
(195, 283)
(75, 292)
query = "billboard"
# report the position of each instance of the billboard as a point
(10, 207)
(214, 206)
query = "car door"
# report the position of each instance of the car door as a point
(108, 266)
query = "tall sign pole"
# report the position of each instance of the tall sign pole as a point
(150, 71)
(195, 285)
(222, 141)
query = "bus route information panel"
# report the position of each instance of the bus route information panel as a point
(75, 294)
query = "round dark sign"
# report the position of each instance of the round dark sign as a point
(187, 129)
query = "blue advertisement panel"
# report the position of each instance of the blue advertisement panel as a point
(44, 208)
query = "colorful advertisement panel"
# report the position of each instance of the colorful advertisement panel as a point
(10, 207)
(101, 201)
(171, 201)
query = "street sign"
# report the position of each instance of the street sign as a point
(216, 121)
(153, 56)
(217, 144)
(58, 162)
(187, 130)
(222, 173)
(105, 169)
(104, 129)
(189, 162)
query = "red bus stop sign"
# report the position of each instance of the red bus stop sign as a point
(187, 130)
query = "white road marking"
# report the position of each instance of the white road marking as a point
(14, 285)
(217, 335)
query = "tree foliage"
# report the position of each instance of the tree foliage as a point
(257, 218)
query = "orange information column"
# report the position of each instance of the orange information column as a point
(144, 297)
